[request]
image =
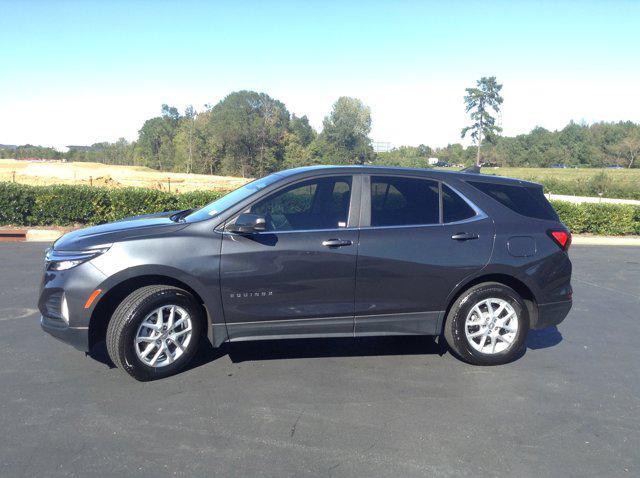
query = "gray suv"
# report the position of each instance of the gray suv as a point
(317, 252)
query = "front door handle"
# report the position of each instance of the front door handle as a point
(336, 243)
(464, 236)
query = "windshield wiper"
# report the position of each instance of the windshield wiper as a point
(180, 215)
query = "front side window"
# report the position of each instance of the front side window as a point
(398, 201)
(229, 200)
(321, 203)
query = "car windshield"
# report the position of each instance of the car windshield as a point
(228, 200)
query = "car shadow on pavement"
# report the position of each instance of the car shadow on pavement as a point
(100, 354)
(331, 347)
(545, 338)
(320, 347)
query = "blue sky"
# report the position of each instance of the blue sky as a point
(81, 72)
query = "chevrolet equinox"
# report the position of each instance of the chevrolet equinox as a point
(327, 251)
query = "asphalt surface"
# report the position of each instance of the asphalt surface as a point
(367, 407)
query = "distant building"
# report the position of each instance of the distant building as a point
(433, 161)
(381, 146)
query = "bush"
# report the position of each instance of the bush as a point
(68, 205)
(16, 203)
(23, 205)
(602, 219)
(195, 199)
(65, 205)
(135, 201)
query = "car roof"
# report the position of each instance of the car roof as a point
(427, 173)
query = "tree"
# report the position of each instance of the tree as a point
(302, 129)
(156, 145)
(155, 141)
(184, 140)
(478, 102)
(346, 131)
(628, 148)
(249, 128)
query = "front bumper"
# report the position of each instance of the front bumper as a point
(78, 337)
(551, 314)
(76, 284)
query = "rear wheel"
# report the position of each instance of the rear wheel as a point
(154, 332)
(487, 325)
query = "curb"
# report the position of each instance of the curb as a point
(30, 235)
(606, 240)
(43, 235)
(12, 235)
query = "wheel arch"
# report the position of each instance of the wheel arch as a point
(119, 288)
(510, 281)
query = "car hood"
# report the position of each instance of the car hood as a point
(124, 229)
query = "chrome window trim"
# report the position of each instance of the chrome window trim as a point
(290, 231)
(356, 189)
(479, 213)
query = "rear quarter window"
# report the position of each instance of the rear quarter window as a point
(454, 208)
(525, 200)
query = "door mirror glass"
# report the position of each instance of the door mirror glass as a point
(248, 223)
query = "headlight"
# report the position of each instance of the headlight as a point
(63, 260)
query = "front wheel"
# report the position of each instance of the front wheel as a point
(487, 325)
(154, 332)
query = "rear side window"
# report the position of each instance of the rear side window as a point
(454, 208)
(397, 201)
(528, 201)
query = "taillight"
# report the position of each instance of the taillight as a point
(561, 237)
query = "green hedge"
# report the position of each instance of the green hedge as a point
(63, 205)
(601, 219)
(23, 205)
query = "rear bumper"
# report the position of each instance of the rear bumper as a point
(75, 336)
(551, 314)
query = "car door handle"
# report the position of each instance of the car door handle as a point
(336, 243)
(464, 236)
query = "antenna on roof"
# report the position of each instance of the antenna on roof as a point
(471, 169)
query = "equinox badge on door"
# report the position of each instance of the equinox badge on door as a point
(238, 295)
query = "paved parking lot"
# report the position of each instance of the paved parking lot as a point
(371, 407)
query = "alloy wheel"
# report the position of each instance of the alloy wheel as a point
(163, 336)
(491, 326)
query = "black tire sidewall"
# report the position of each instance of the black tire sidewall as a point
(129, 358)
(459, 314)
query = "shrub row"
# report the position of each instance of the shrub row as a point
(601, 219)
(63, 205)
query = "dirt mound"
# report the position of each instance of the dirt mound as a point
(103, 175)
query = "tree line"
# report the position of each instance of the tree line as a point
(251, 134)
(576, 145)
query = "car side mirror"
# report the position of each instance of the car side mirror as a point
(248, 223)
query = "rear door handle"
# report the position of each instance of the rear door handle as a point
(464, 236)
(336, 243)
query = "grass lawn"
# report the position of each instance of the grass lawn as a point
(613, 183)
(629, 177)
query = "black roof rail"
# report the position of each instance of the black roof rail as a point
(475, 169)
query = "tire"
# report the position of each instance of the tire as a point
(125, 330)
(460, 328)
